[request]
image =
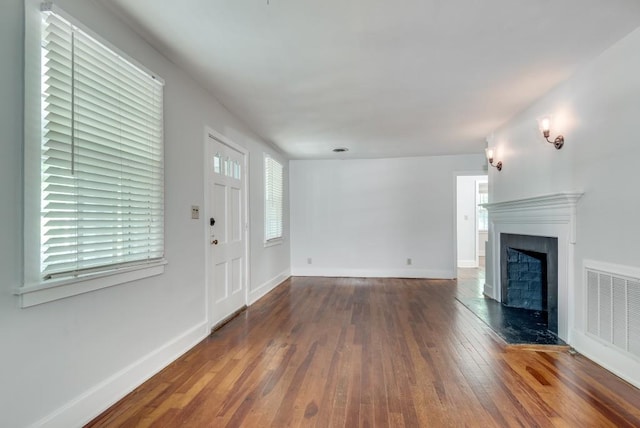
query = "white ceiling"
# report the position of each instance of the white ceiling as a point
(383, 78)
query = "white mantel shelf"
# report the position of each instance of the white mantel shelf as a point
(554, 200)
(552, 208)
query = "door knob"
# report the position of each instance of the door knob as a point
(214, 242)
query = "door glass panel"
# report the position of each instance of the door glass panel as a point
(216, 163)
(236, 170)
(227, 166)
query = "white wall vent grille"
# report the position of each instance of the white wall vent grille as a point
(613, 305)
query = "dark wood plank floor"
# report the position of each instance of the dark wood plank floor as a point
(331, 352)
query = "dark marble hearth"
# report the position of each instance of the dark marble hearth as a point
(514, 325)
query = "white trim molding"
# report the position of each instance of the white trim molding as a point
(554, 200)
(100, 397)
(467, 264)
(373, 273)
(31, 295)
(619, 363)
(263, 289)
(552, 208)
(552, 215)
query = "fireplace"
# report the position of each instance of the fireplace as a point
(554, 216)
(529, 275)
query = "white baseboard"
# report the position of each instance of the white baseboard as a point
(97, 399)
(258, 293)
(372, 273)
(617, 362)
(467, 264)
(488, 290)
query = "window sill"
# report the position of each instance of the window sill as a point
(37, 294)
(273, 242)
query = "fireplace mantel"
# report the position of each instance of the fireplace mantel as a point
(554, 200)
(551, 215)
(551, 208)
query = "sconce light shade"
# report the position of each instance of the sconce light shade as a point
(489, 153)
(545, 128)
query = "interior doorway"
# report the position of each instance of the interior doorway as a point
(471, 220)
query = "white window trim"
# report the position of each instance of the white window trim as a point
(273, 242)
(35, 290)
(32, 295)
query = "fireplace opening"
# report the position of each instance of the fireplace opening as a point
(529, 277)
(527, 311)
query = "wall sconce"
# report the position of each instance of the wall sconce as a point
(545, 126)
(489, 152)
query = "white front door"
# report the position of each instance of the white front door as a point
(226, 225)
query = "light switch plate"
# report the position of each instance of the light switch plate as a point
(195, 212)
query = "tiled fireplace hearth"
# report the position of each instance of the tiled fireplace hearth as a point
(538, 235)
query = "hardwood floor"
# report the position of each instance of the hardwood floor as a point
(332, 352)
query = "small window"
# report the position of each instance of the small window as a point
(273, 173)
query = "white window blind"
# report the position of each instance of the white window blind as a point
(273, 199)
(102, 156)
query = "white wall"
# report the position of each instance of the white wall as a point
(482, 242)
(466, 220)
(63, 362)
(366, 217)
(597, 111)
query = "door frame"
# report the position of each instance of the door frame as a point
(210, 133)
(457, 174)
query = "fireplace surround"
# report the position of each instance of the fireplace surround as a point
(552, 216)
(529, 274)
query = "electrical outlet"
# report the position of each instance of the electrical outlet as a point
(309, 261)
(195, 212)
(409, 261)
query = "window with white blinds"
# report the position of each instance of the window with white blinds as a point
(102, 167)
(273, 178)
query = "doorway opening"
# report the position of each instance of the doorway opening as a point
(471, 220)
